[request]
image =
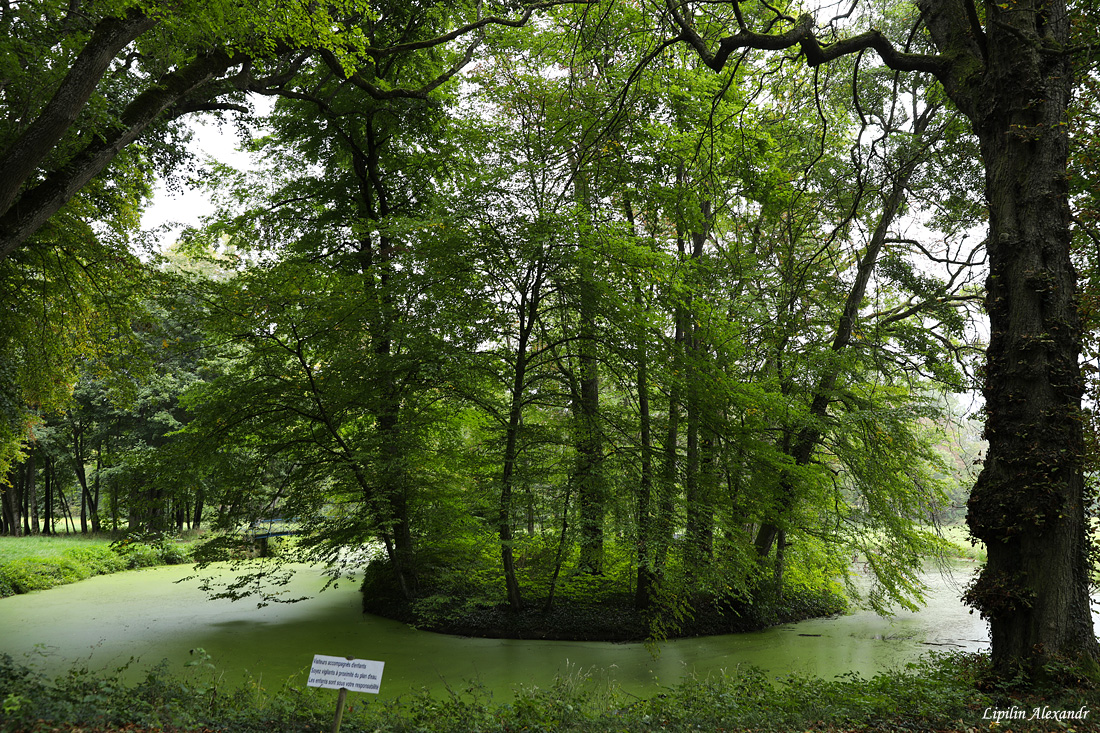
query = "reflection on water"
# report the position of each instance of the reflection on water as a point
(106, 621)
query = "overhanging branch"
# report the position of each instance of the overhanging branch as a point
(43, 200)
(476, 25)
(801, 34)
(25, 154)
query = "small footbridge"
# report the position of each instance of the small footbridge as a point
(262, 530)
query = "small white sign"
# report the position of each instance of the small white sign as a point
(357, 675)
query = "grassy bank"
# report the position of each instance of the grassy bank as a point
(39, 562)
(965, 548)
(941, 694)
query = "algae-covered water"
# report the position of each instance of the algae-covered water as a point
(145, 614)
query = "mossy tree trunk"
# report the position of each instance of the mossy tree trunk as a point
(1028, 503)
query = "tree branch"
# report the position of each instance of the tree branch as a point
(192, 107)
(378, 53)
(36, 142)
(908, 309)
(801, 34)
(420, 93)
(976, 28)
(43, 200)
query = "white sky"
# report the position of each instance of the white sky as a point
(187, 205)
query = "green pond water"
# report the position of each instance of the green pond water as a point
(144, 614)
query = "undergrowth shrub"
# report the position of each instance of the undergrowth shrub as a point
(939, 693)
(98, 560)
(138, 555)
(461, 591)
(33, 573)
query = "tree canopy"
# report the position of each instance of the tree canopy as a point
(659, 304)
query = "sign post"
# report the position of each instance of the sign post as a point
(343, 674)
(340, 698)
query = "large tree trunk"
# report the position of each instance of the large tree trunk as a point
(196, 517)
(1028, 502)
(47, 490)
(395, 486)
(591, 496)
(377, 268)
(95, 490)
(645, 513)
(669, 488)
(588, 443)
(699, 463)
(79, 458)
(83, 510)
(647, 569)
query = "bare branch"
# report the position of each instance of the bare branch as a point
(906, 310)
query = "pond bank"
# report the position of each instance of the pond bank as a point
(85, 558)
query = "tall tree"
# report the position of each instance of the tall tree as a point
(342, 346)
(81, 82)
(1009, 69)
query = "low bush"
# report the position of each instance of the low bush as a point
(98, 559)
(38, 573)
(138, 555)
(941, 693)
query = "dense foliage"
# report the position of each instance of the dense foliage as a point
(655, 353)
(581, 329)
(939, 694)
(580, 305)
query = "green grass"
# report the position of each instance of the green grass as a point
(959, 536)
(14, 548)
(40, 562)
